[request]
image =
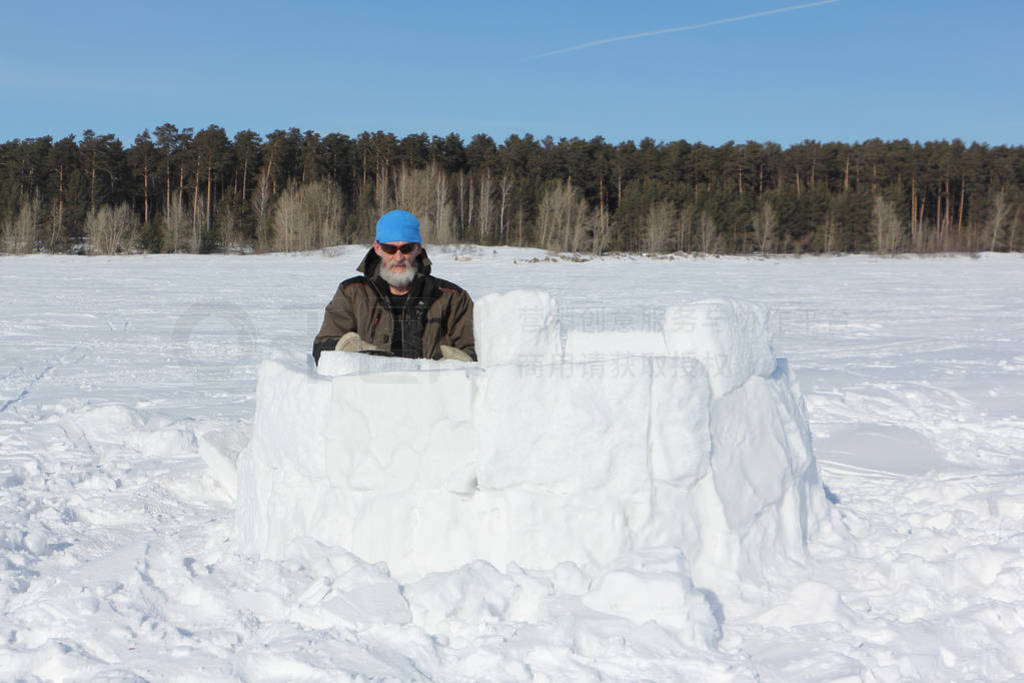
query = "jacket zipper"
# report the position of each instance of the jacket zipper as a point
(373, 327)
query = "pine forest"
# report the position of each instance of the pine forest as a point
(181, 190)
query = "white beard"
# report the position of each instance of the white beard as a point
(400, 279)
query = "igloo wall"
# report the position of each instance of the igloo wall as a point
(697, 445)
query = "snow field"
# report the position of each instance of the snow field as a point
(120, 560)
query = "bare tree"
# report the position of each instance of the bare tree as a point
(1018, 219)
(581, 222)
(888, 230)
(766, 224)
(110, 229)
(176, 223)
(520, 224)
(685, 226)
(549, 214)
(228, 229)
(307, 216)
(196, 229)
(562, 217)
(425, 192)
(55, 225)
(261, 208)
(289, 231)
(505, 187)
(707, 232)
(658, 226)
(443, 214)
(324, 209)
(829, 232)
(602, 232)
(382, 192)
(998, 214)
(21, 233)
(486, 211)
(198, 208)
(463, 198)
(412, 190)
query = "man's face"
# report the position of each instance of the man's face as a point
(397, 266)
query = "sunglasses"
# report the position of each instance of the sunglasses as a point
(406, 248)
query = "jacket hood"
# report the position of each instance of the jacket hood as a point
(368, 266)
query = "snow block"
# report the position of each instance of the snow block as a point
(582, 345)
(731, 338)
(520, 326)
(439, 402)
(701, 454)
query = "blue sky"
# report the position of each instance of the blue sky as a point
(847, 71)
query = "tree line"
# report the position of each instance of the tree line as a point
(181, 190)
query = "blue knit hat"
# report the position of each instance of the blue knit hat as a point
(398, 226)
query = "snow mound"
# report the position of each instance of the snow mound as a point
(670, 474)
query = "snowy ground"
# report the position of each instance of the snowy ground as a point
(117, 551)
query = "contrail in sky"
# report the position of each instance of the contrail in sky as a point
(634, 36)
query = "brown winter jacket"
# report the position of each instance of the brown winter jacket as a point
(442, 313)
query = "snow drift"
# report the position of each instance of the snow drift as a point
(652, 463)
(118, 550)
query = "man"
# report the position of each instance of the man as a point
(397, 307)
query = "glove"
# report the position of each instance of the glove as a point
(452, 353)
(351, 341)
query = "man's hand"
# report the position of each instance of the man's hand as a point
(351, 341)
(452, 353)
